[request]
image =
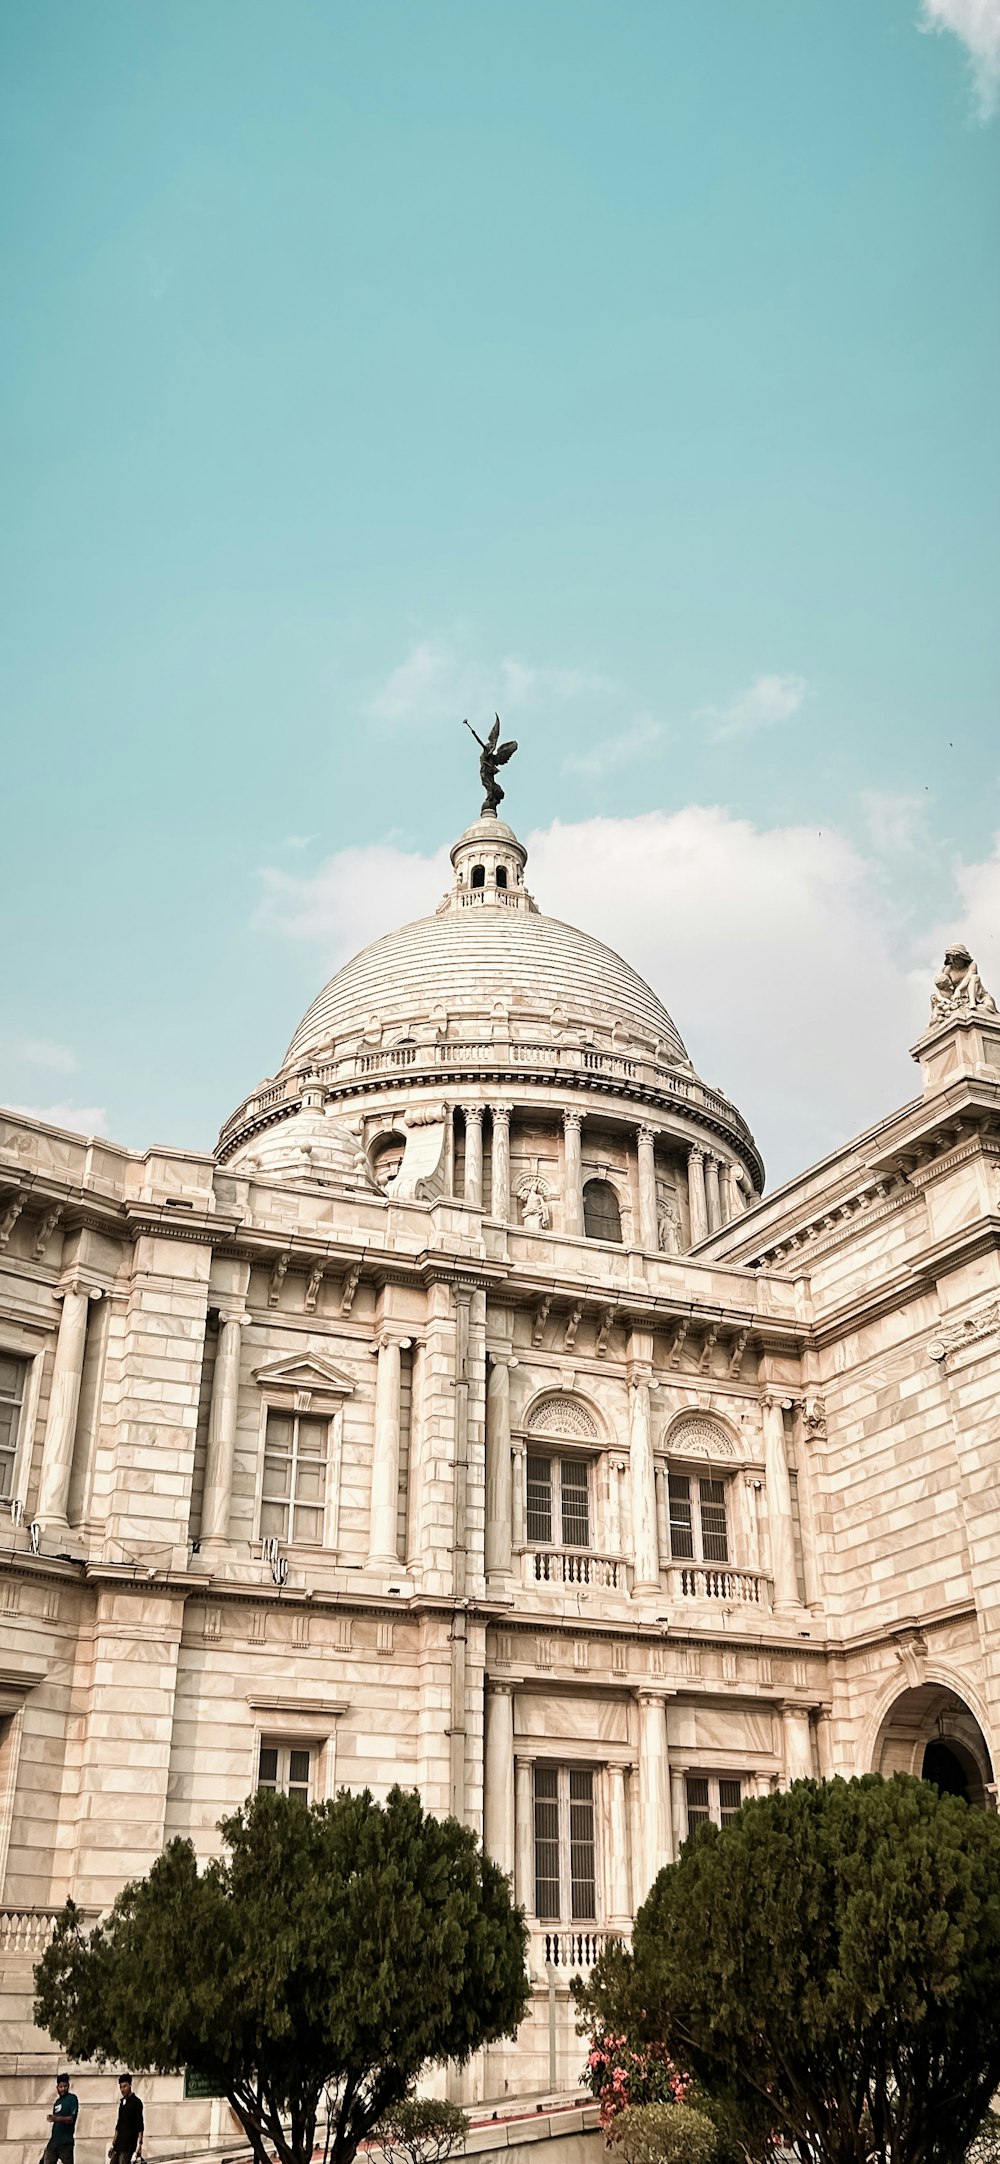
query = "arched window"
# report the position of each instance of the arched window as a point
(602, 1218)
(501, 875)
(385, 1158)
(479, 875)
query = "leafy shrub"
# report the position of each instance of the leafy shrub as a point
(664, 2134)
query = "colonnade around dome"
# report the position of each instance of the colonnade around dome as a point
(362, 1451)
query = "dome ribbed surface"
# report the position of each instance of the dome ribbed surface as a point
(466, 961)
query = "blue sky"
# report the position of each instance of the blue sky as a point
(631, 368)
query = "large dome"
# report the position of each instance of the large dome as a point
(488, 996)
(472, 963)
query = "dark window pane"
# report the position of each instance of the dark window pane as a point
(697, 1800)
(681, 1536)
(575, 1503)
(714, 1537)
(601, 1215)
(581, 1845)
(729, 1801)
(11, 1379)
(546, 1843)
(539, 1498)
(268, 1772)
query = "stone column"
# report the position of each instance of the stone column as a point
(648, 1229)
(798, 1743)
(517, 1469)
(678, 1807)
(474, 1155)
(64, 1404)
(524, 1835)
(382, 1535)
(662, 1513)
(617, 1891)
(499, 1471)
(725, 1190)
(779, 1507)
(498, 1776)
(572, 1174)
(646, 1561)
(222, 1431)
(696, 1194)
(713, 1204)
(654, 1786)
(500, 1164)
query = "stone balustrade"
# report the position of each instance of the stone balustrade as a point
(660, 1084)
(574, 1566)
(719, 1582)
(26, 1932)
(570, 1947)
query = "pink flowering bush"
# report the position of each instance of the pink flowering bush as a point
(621, 2074)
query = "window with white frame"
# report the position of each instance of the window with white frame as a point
(286, 1768)
(13, 1374)
(558, 1501)
(699, 1529)
(293, 1495)
(565, 1878)
(712, 1796)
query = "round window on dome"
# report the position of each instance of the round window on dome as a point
(385, 1158)
(602, 1218)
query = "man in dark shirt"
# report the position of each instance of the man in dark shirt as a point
(62, 2119)
(127, 2141)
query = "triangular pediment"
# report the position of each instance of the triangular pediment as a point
(305, 1371)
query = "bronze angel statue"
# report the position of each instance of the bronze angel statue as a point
(494, 755)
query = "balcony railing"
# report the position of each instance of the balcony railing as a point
(27, 1932)
(282, 1097)
(573, 1946)
(574, 1566)
(718, 1582)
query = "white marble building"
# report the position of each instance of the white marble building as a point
(466, 1419)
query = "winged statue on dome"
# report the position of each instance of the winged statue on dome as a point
(494, 755)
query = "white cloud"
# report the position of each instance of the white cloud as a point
(785, 966)
(612, 751)
(975, 922)
(82, 1119)
(441, 678)
(977, 24)
(767, 700)
(44, 1052)
(895, 823)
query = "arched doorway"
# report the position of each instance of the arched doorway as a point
(930, 1732)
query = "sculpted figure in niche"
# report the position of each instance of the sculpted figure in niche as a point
(668, 1228)
(959, 989)
(535, 1210)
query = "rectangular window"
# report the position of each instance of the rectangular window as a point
(681, 1523)
(286, 1768)
(565, 1876)
(714, 1541)
(294, 1491)
(539, 1499)
(12, 1381)
(558, 1496)
(698, 1529)
(712, 1796)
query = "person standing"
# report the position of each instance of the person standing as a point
(62, 2119)
(127, 2141)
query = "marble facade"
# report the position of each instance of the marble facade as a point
(470, 1419)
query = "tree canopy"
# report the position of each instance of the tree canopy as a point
(332, 1952)
(828, 1968)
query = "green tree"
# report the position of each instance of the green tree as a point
(828, 1968)
(327, 1957)
(421, 2130)
(665, 2134)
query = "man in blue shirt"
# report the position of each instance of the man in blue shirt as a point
(62, 2119)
